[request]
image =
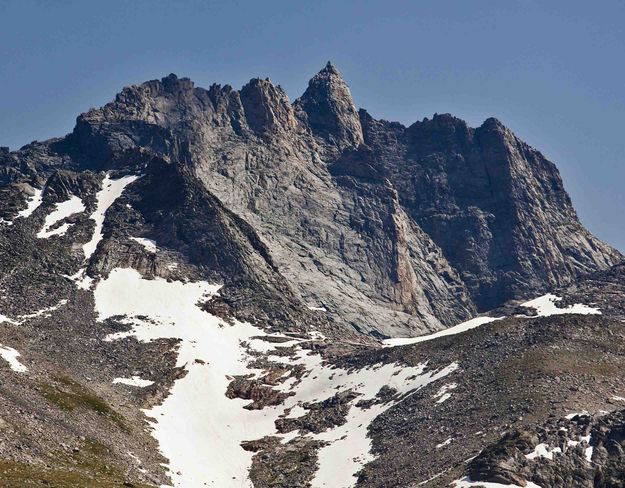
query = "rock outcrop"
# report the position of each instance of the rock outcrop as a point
(582, 451)
(328, 109)
(393, 230)
(496, 206)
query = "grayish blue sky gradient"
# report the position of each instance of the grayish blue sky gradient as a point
(551, 71)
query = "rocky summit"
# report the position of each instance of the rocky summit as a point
(223, 288)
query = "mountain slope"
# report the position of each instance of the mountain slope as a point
(219, 266)
(409, 232)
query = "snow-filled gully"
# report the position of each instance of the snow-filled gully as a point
(111, 191)
(32, 203)
(198, 428)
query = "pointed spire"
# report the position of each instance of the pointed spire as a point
(329, 110)
(330, 68)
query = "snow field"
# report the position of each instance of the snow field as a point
(198, 428)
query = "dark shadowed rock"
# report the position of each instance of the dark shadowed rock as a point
(496, 206)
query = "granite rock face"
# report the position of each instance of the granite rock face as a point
(496, 206)
(393, 230)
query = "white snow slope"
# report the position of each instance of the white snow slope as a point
(61, 211)
(456, 329)
(198, 428)
(32, 203)
(10, 355)
(111, 191)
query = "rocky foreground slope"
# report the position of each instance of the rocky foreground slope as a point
(205, 287)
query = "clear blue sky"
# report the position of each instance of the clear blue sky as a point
(552, 71)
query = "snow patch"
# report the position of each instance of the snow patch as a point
(315, 335)
(10, 355)
(583, 413)
(317, 309)
(546, 306)
(437, 475)
(4, 318)
(444, 443)
(61, 211)
(443, 393)
(456, 329)
(588, 451)
(137, 461)
(46, 312)
(133, 381)
(148, 244)
(543, 451)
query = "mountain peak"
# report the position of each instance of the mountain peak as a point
(330, 68)
(329, 110)
(493, 123)
(267, 107)
(329, 73)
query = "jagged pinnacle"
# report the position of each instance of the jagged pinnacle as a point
(329, 108)
(331, 68)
